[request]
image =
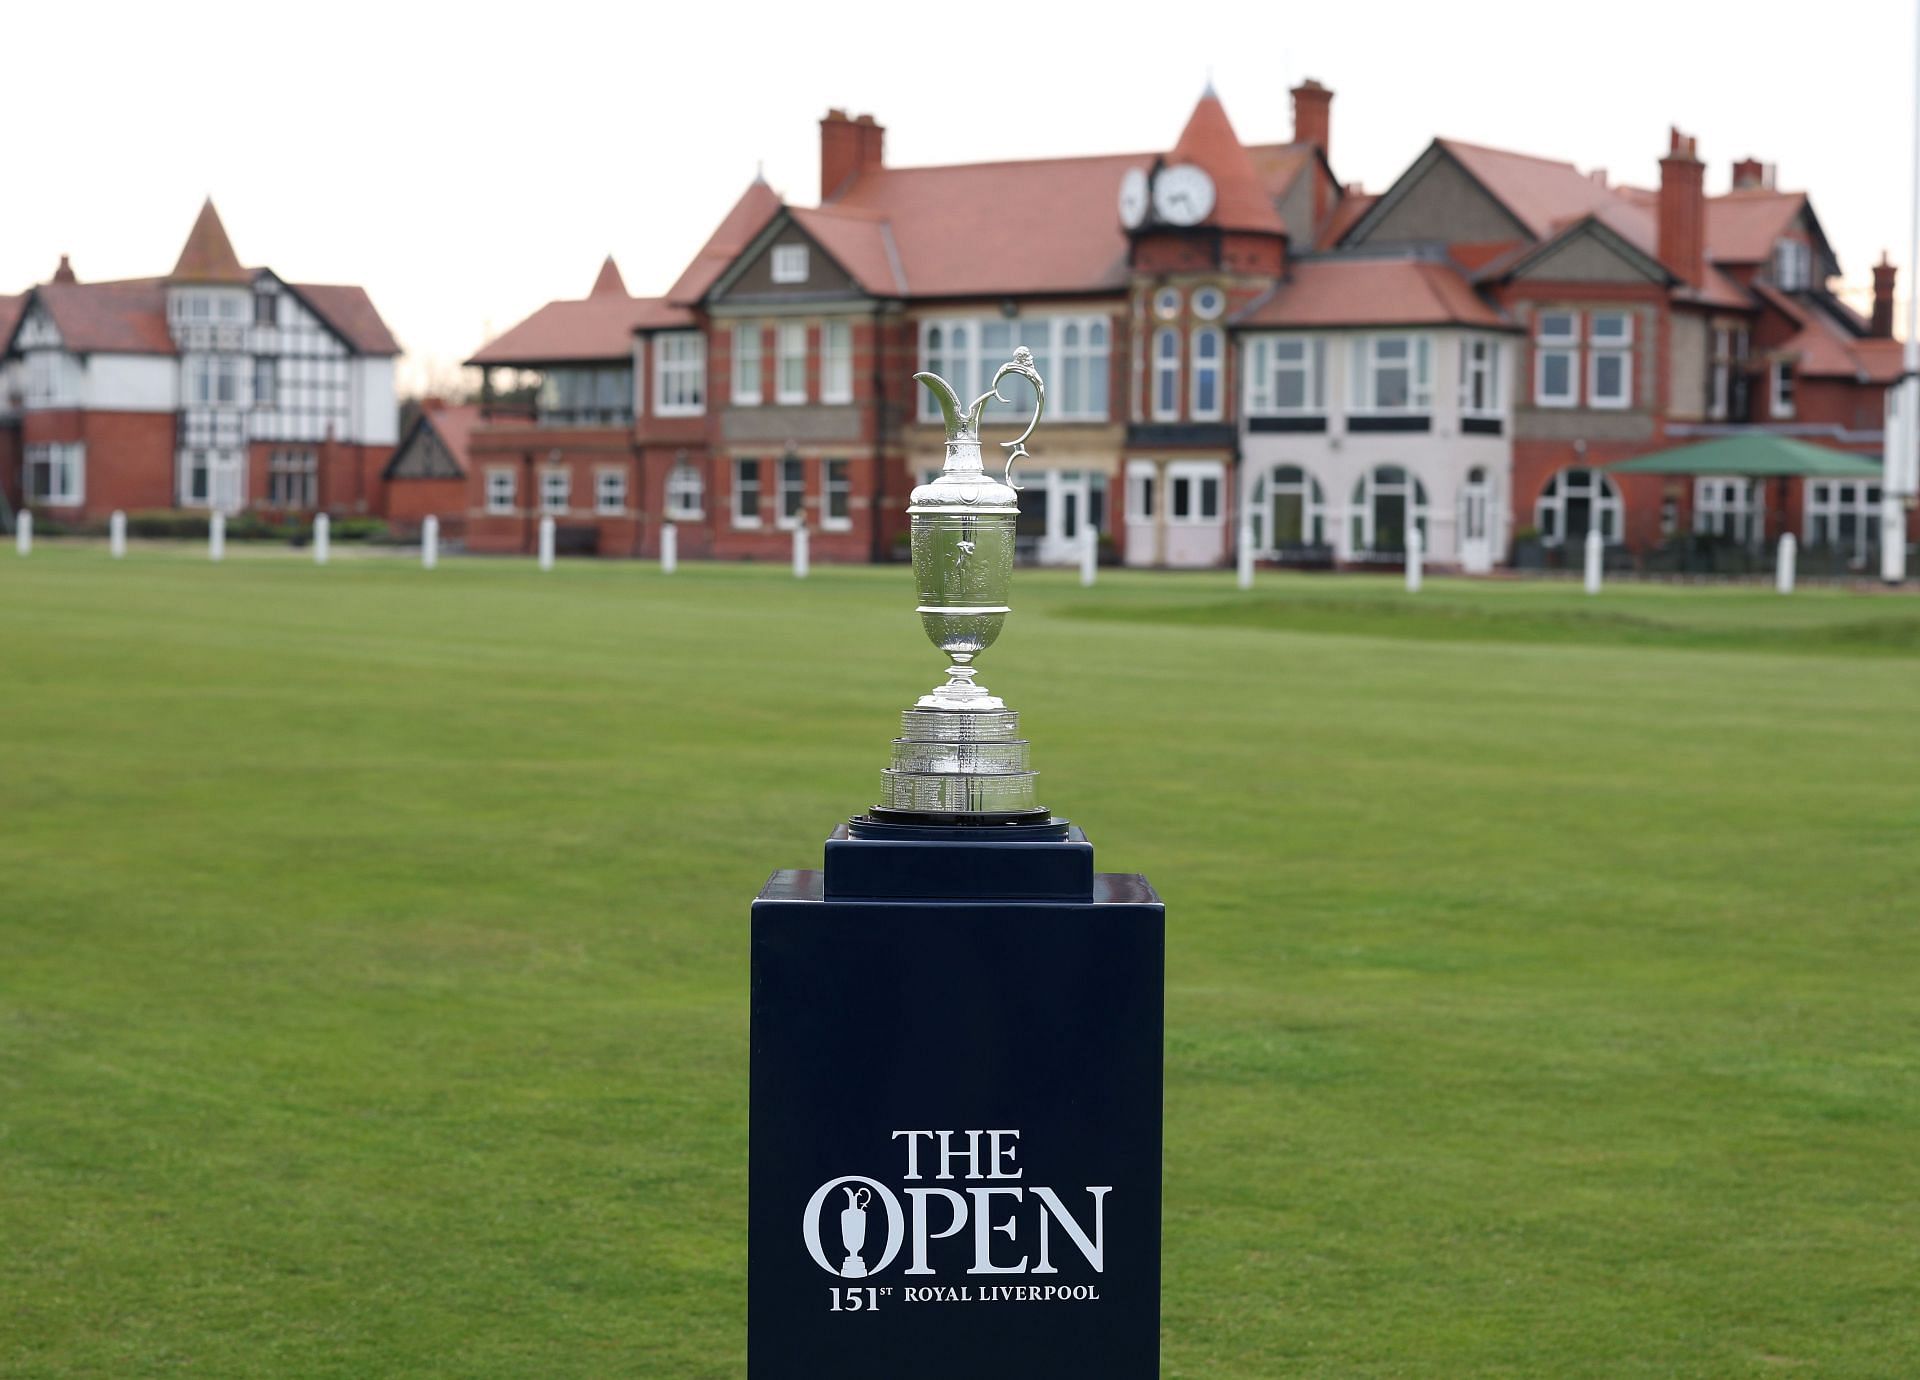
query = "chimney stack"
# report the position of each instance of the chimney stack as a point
(1749, 173)
(65, 273)
(1313, 116)
(1683, 209)
(1881, 323)
(848, 147)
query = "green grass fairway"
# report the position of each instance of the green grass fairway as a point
(1544, 988)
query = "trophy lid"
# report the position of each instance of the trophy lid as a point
(963, 485)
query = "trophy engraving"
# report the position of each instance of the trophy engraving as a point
(959, 759)
(853, 1232)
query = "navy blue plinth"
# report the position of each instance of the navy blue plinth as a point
(998, 991)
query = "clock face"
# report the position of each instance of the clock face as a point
(1182, 194)
(1133, 198)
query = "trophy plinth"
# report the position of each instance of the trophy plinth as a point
(959, 761)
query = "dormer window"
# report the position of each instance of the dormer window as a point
(1793, 265)
(789, 263)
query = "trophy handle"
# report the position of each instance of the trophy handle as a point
(1021, 364)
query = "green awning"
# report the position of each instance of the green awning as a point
(1754, 455)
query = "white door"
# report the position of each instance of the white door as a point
(1143, 492)
(1196, 513)
(1069, 495)
(1476, 523)
(227, 481)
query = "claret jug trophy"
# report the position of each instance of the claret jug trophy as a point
(959, 759)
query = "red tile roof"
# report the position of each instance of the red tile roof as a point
(860, 242)
(207, 256)
(351, 312)
(609, 283)
(1542, 193)
(1372, 292)
(453, 423)
(1279, 165)
(589, 329)
(749, 216)
(1743, 225)
(1883, 359)
(127, 317)
(1241, 200)
(993, 229)
(11, 305)
(1346, 213)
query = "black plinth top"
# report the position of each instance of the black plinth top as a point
(872, 861)
(1039, 827)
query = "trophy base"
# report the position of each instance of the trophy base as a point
(957, 825)
(959, 768)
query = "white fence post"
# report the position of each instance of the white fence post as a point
(669, 547)
(546, 542)
(322, 538)
(800, 552)
(1783, 568)
(217, 537)
(1089, 556)
(1243, 556)
(1596, 549)
(430, 542)
(1893, 536)
(23, 532)
(117, 534)
(1416, 559)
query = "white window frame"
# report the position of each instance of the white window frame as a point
(66, 468)
(748, 353)
(686, 492)
(610, 498)
(1609, 509)
(1265, 365)
(836, 478)
(789, 481)
(1552, 345)
(790, 348)
(301, 463)
(1828, 501)
(1368, 366)
(1792, 265)
(1166, 374)
(503, 484)
(1720, 374)
(1314, 516)
(836, 362)
(1079, 350)
(679, 374)
(1610, 347)
(789, 263)
(1781, 401)
(1143, 482)
(1195, 473)
(556, 497)
(741, 519)
(1081, 346)
(1200, 368)
(1733, 504)
(1363, 517)
(1481, 360)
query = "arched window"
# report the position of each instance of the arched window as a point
(1166, 375)
(1476, 498)
(686, 493)
(1289, 510)
(1206, 374)
(1385, 500)
(1576, 500)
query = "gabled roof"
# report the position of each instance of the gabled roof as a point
(1352, 205)
(126, 317)
(1241, 200)
(996, 229)
(861, 242)
(1823, 346)
(452, 425)
(1743, 224)
(207, 256)
(351, 312)
(599, 326)
(749, 216)
(1541, 193)
(1279, 165)
(1371, 292)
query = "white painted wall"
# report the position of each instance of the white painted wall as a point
(132, 383)
(376, 410)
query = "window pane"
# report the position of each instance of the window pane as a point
(1556, 377)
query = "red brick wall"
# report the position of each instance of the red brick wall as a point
(130, 456)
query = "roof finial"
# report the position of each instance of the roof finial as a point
(1209, 91)
(760, 171)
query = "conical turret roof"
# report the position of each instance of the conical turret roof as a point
(609, 283)
(1240, 201)
(207, 256)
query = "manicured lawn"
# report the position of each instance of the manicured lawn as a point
(1544, 992)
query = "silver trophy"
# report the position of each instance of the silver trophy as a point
(959, 759)
(853, 1232)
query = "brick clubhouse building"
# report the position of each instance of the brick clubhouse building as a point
(1463, 352)
(216, 387)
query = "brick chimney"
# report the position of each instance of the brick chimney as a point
(848, 147)
(1683, 209)
(65, 273)
(1749, 173)
(1881, 323)
(1313, 115)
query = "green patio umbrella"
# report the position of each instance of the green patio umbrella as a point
(1753, 455)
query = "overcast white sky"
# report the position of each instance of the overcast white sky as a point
(468, 163)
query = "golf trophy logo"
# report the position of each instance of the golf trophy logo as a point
(853, 1232)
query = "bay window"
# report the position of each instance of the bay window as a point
(1480, 369)
(1070, 352)
(1392, 375)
